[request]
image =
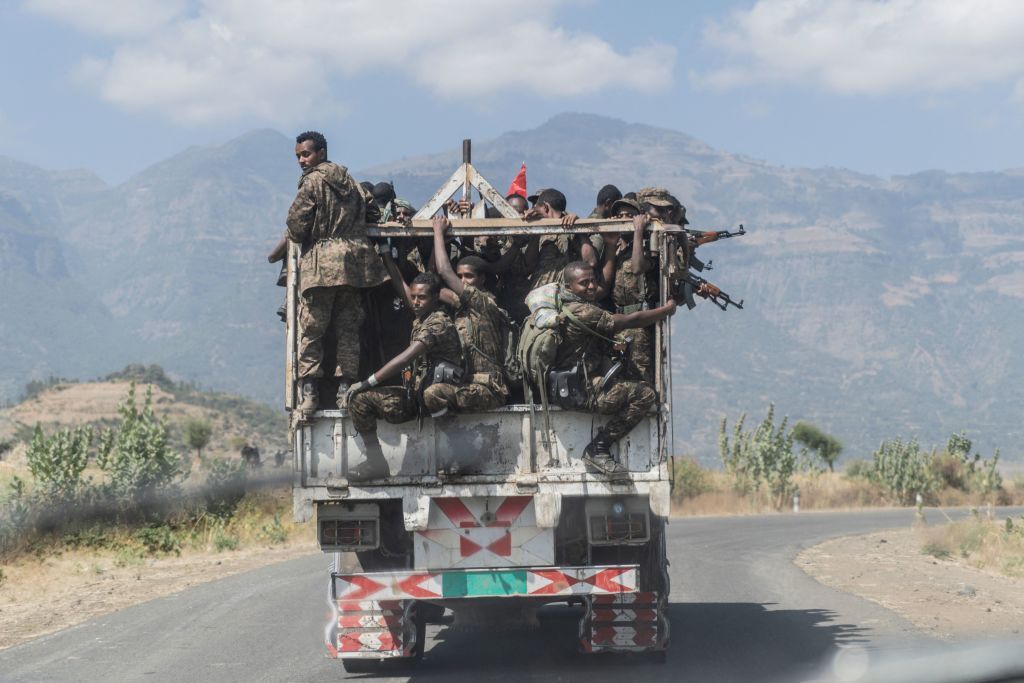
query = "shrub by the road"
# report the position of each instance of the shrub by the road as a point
(761, 459)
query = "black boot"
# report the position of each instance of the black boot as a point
(598, 456)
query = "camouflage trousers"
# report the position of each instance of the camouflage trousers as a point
(324, 308)
(640, 357)
(628, 401)
(391, 404)
(461, 398)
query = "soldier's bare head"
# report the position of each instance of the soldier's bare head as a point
(472, 270)
(425, 293)
(580, 279)
(606, 196)
(517, 202)
(551, 203)
(310, 149)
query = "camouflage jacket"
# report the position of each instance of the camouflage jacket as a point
(631, 289)
(480, 321)
(556, 252)
(578, 344)
(438, 333)
(328, 220)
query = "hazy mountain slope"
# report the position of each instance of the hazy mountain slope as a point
(874, 307)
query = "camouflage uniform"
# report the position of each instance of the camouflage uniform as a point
(328, 218)
(627, 400)
(478, 322)
(631, 293)
(556, 252)
(398, 404)
(515, 285)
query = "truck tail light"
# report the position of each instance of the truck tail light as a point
(348, 527)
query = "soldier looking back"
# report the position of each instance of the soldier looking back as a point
(586, 331)
(328, 221)
(480, 324)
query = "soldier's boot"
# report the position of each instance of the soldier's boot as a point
(309, 397)
(598, 456)
(341, 395)
(375, 466)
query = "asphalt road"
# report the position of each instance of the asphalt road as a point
(740, 611)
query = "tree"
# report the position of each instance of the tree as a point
(197, 434)
(825, 445)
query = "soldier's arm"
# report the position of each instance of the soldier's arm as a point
(301, 215)
(628, 321)
(279, 251)
(395, 365)
(532, 255)
(509, 257)
(443, 264)
(607, 266)
(450, 298)
(640, 263)
(397, 281)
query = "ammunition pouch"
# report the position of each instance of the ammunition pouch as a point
(446, 373)
(568, 388)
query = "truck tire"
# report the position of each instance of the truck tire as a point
(361, 666)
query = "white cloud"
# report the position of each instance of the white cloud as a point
(227, 59)
(111, 17)
(876, 47)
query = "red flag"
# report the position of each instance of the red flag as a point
(518, 185)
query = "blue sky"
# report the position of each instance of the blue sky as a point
(884, 87)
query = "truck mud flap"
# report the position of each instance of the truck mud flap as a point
(624, 623)
(372, 629)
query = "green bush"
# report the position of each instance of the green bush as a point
(903, 470)
(158, 538)
(274, 531)
(761, 458)
(197, 435)
(57, 463)
(225, 485)
(689, 479)
(858, 469)
(224, 541)
(137, 456)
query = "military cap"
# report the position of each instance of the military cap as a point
(657, 196)
(400, 203)
(619, 203)
(533, 197)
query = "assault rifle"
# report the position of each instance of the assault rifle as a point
(698, 237)
(688, 284)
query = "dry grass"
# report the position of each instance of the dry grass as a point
(980, 543)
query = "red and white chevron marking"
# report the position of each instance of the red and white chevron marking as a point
(483, 532)
(368, 628)
(622, 623)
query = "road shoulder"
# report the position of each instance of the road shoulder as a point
(944, 598)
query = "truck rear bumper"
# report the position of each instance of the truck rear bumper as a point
(514, 582)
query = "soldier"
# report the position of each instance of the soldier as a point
(328, 220)
(383, 194)
(586, 331)
(633, 289)
(480, 324)
(546, 256)
(606, 197)
(661, 205)
(435, 347)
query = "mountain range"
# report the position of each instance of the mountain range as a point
(874, 307)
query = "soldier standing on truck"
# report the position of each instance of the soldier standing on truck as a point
(586, 331)
(480, 324)
(633, 288)
(434, 347)
(328, 221)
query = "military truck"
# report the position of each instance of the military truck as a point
(485, 511)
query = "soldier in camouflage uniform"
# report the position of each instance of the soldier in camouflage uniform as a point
(328, 221)
(434, 340)
(606, 198)
(480, 324)
(587, 339)
(633, 289)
